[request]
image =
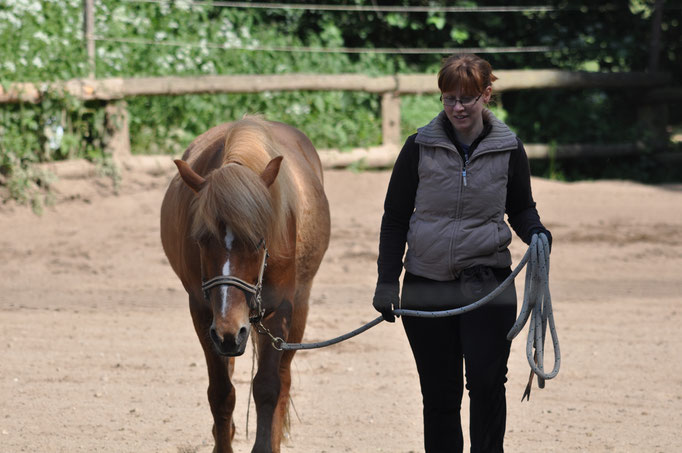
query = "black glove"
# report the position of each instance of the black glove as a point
(547, 233)
(385, 298)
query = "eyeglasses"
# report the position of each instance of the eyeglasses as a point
(466, 101)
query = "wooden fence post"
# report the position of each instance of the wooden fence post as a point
(89, 34)
(390, 118)
(117, 140)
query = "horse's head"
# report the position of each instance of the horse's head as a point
(232, 223)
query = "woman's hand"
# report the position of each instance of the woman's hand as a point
(386, 296)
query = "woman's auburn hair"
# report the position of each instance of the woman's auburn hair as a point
(468, 73)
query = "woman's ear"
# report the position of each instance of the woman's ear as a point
(487, 94)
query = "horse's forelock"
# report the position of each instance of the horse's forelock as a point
(235, 198)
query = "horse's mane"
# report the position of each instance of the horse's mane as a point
(235, 196)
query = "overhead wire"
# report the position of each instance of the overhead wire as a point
(347, 50)
(346, 8)
(363, 8)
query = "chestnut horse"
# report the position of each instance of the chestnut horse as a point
(245, 225)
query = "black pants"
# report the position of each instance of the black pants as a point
(439, 345)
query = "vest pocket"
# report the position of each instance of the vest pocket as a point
(504, 236)
(480, 241)
(429, 241)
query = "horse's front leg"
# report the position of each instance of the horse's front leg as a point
(268, 383)
(295, 335)
(221, 398)
(221, 392)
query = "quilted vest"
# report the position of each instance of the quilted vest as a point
(458, 220)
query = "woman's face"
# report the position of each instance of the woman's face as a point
(465, 110)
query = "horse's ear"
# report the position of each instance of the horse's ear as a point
(271, 170)
(193, 180)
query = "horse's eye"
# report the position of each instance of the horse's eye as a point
(203, 241)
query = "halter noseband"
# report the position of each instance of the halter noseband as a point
(256, 301)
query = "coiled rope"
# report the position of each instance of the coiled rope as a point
(537, 305)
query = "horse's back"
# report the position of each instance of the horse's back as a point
(313, 219)
(298, 148)
(293, 144)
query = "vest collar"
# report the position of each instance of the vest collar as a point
(500, 137)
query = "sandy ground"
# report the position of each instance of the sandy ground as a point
(97, 350)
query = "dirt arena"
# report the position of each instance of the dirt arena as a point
(98, 352)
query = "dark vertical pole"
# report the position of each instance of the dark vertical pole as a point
(655, 44)
(89, 34)
(654, 116)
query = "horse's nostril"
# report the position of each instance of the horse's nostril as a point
(230, 344)
(214, 336)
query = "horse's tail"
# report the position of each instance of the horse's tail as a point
(286, 429)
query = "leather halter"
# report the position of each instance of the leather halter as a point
(255, 302)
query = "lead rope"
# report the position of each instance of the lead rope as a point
(537, 304)
(248, 403)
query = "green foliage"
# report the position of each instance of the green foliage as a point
(43, 42)
(323, 117)
(27, 185)
(643, 167)
(417, 111)
(572, 116)
(60, 127)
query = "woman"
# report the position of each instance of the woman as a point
(451, 185)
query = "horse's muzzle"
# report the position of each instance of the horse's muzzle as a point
(228, 344)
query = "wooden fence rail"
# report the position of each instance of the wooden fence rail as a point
(114, 90)
(120, 88)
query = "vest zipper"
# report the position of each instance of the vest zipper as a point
(466, 160)
(457, 221)
(464, 168)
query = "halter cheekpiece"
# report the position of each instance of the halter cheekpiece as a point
(255, 301)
